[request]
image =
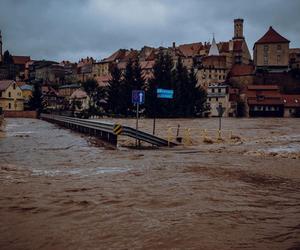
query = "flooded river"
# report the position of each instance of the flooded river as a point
(61, 191)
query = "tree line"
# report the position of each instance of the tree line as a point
(188, 101)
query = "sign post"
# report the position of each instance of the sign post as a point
(162, 94)
(220, 110)
(138, 97)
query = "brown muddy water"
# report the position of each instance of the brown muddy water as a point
(59, 191)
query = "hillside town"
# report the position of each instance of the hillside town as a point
(265, 85)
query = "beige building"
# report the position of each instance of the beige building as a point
(271, 51)
(218, 94)
(11, 98)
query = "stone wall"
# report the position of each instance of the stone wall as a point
(20, 114)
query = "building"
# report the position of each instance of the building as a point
(67, 90)
(52, 101)
(264, 101)
(79, 101)
(291, 105)
(213, 67)
(271, 51)
(218, 94)
(241, 75)
(50, 73)
(294, 58)
(11, 98)
(20, 63)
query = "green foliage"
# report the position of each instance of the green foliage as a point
(189, 100)
(114, 91)
(97, 96)
(35, 102)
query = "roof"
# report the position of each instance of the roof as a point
(118, 55)
(71, 86)
(5, 84)
(103, 81)
(241, 70)
(291, 101)
(21, 59)
(272, 36)
(190, 49)
(213, 50)
(26, 87)
(265, 101)
(263, 87)
(78, 94)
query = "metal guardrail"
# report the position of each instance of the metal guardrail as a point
(109, 128)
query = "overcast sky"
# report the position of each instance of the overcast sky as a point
(71, 29)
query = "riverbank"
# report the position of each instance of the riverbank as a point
(58, 191)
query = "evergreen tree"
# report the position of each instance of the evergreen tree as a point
(36, 101)
(162, 78)
(183, 91)
(114, 91)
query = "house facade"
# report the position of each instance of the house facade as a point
(11, 97)
(271, 51)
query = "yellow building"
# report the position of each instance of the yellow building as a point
(11, 97)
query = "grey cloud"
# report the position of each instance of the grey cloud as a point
(68, 29)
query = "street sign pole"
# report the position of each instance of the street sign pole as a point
(137, 123)
(154, 118)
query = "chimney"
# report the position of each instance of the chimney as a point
(174, 45)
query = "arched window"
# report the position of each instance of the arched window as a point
(9, 105)
(9, 94)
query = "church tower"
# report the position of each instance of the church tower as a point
(238, 29)
(0, 47)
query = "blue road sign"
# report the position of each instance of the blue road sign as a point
(165, 93)
(138, 96)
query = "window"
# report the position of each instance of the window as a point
(219, 90)
(217, 99)
(14, 86)
(278, 47)
(213, 90)
(209, 99)
(9, 94)
(266, 61)
(278, 59)
(9, 106)
(266, 47)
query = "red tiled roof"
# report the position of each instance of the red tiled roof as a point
(5, 84)
(241, 70)
(272, 36)
(223, 47)
(21, 59)
(191, 49)
(265, 101)
(263, 87)
(118, 55)
(291, 101)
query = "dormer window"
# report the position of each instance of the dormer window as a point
(14, 86)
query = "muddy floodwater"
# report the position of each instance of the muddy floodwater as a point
(60, 190)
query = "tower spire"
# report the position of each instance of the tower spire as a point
(213, 51)
(0, 46)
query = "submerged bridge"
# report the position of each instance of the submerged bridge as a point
(105, 130)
